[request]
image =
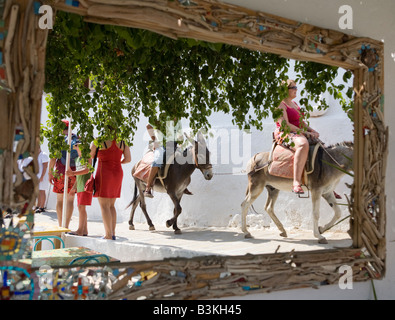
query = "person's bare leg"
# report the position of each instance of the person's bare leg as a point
(113, 216)
(41, 199)
(70, 209)
(83, 221)
(301, 154)
(105, 205)
(151, 177)
(59, 207)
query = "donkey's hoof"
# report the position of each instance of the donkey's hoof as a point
(168, 224)
(284, 234)
(248, 236)
(131, 228)
(322, 241)
(321, 230)
(177, 231)
(152, 228)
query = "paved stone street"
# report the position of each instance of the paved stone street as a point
(142, 244)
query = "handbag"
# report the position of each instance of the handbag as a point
(90, 183)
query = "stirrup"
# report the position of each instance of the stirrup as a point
(300, 194)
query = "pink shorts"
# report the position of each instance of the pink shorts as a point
(84, 198)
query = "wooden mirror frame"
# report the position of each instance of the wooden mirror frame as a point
(209, 20)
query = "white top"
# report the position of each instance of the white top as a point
(42, 158)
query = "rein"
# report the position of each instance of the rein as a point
(242, 172)
(205, 166)
(330, 156)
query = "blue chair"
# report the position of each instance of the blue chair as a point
(94, 257)
(41, 238)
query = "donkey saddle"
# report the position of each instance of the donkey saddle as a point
(281, 161)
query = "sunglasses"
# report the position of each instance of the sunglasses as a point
(294, 87)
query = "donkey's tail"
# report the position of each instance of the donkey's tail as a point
(134, 196)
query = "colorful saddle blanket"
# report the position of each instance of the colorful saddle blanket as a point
(143, 167)
(282, 161)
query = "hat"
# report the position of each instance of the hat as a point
(66, 123)
(75, 142)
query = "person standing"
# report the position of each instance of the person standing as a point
(83, 198)
(42, 175)
(42, 161)
(56, 176)
(108, 180)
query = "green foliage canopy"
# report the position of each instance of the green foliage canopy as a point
(138, 72)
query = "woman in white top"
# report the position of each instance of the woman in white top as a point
(42, 175)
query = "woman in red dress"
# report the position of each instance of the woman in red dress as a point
(108, 180)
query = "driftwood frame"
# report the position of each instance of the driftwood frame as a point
(213, 21)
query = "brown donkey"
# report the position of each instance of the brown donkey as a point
(178, 178)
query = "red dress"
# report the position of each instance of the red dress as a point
(109, 175)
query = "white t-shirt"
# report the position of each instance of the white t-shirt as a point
(42, 158)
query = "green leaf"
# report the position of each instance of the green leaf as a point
(140, 72)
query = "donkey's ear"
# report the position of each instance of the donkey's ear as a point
(192, 141)
(200, 138)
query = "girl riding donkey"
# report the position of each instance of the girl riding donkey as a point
(163, 145)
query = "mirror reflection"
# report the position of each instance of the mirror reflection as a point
(236, 111)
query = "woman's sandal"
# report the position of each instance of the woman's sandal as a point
(73, 233)
(297, 188)
(112, 238)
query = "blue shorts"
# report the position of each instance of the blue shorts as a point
(158, 157)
